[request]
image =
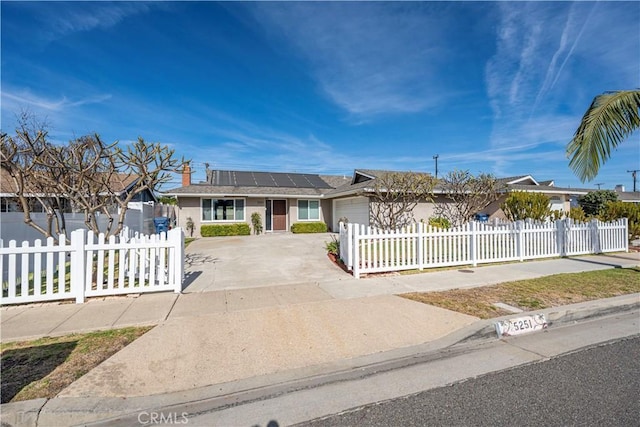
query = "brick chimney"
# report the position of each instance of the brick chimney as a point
(186, 175)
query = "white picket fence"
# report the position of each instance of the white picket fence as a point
(369, 250)
(91, 266)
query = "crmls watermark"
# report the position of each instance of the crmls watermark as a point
(151, 418)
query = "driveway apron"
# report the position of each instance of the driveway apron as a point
(236, 262)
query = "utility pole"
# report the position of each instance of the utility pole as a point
(602, 183)
(436, 159)
(634, 174)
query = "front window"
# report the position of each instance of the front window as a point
(222, 209)
(308, 210)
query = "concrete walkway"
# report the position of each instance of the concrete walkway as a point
(55, 319)
(229, 339)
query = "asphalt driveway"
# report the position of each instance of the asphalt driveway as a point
(235, 262)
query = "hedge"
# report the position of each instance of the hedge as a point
(235, 229)
(309, 227)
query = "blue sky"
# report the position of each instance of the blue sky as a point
(327, 87)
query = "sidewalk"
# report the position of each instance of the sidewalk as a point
(54, 319)
(244, 337)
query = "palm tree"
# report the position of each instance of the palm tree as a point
(610, 119)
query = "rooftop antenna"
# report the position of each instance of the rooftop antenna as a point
(436, 159)
(634, 174)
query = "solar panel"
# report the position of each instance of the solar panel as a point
(245, 179)
(264, 179)
(223, 178)
(282, 180)
(317, 182)
(267, 179)
(300, 181)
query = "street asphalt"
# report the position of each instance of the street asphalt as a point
(217, 342)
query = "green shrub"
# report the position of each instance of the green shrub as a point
(256, 221)
(521, 205)
(631, 211)
(235, 229)
(309, 227)
(439, 222)
(333, 247)
(577, 214)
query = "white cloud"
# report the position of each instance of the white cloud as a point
(58, 19)
(551, 59)
(368, 58)
(27, 99)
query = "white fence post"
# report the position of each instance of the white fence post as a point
(520, 239)
(561, 236)
(176, 236)
(356, 251)
(420, 245)
(473, 243)
(625, 221)
(595, 236)
(77, 266)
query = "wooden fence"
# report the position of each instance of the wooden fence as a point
(89, 265)
(369, 250)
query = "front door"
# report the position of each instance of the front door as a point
(279, 213)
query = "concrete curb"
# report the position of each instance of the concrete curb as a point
(125, 411)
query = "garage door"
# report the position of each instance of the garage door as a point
(355, 209)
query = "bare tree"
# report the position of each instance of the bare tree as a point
(466, 195)
(86, 175)
(394, 195)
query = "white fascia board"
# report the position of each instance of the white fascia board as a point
(230, 196)
(524, 178)
(537, 190)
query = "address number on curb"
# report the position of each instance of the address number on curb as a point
(521, 325)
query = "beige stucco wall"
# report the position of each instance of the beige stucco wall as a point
(326, 212)
(252, 205)
(188, 207)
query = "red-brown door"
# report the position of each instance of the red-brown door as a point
(279, 215)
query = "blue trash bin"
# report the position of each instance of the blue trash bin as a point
(482, 217)
(161, 223)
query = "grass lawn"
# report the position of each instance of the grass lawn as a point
(534, 294)
(44, 367)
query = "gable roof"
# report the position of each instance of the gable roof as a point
(629, 196)
(119, 183)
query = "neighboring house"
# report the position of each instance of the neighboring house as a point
(283, 199)
(627, 196)
(120, 184)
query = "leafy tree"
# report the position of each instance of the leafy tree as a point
(86, 175)
(631, 211)
(521, 205)
(611, 118)
(168, 200)
(394, 195)
(467, 195)
(439, 222)
(594, 202)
